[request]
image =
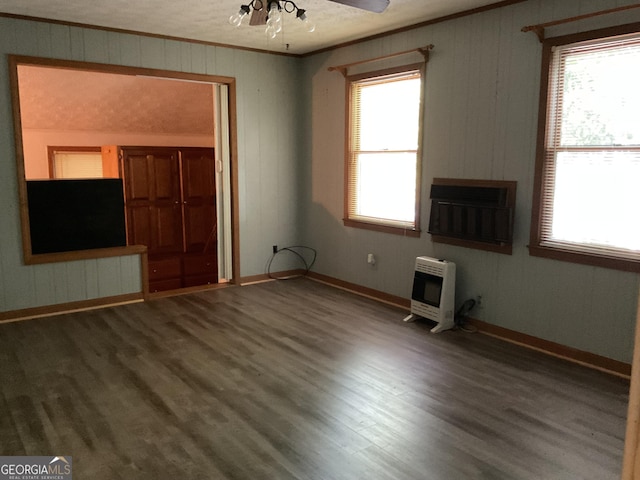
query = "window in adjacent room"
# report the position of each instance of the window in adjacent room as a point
(75, 162)
(588, 166)
(383, 156)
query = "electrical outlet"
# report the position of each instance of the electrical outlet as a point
(275, 249)
(479, 301)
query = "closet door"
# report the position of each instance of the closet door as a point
(200, 265)
(152, 191)
(199, 199)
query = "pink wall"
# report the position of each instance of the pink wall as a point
(35, 143)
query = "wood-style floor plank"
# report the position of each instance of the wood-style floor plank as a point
(297, 380)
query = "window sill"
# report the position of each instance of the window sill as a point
(376, 227)
(615, 263)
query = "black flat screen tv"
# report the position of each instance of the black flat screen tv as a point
(70, 215)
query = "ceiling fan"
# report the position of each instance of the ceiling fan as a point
(262, 7)
(376, 6)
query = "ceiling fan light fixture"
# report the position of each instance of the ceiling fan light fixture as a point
(271, 32)
(308, 25)
(274, 9)
(236, 19)
(273, 17)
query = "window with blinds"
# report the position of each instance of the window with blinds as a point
(384, 150)
(77, 165)
(589, 194)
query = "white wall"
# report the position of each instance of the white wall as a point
(482, 88)
(267, 155)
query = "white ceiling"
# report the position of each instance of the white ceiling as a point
(207, 20)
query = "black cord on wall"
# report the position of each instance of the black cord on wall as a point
(294, 249)
(461, 316)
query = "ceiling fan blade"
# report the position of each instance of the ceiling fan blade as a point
(376, 6)
(258, 17)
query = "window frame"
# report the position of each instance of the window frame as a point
(535, 242)
(53, 151)
(390, 226)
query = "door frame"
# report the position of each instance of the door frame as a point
(631, 459)
(229, 82)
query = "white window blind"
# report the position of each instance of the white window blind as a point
(77, 165)
(383, 153)
(591, 177)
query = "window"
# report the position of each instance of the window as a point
(588, 166)
(75, 162)
(383, 157)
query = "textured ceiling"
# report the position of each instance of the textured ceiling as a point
(207, 20)
(61, 99)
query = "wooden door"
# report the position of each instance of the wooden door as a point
(199, 200)
(170, 200)
(152, 199)
(200, 264)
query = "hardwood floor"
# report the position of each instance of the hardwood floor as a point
(297, 380)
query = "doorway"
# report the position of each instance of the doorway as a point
(106, 107)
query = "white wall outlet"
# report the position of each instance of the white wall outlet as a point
(371, 259)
